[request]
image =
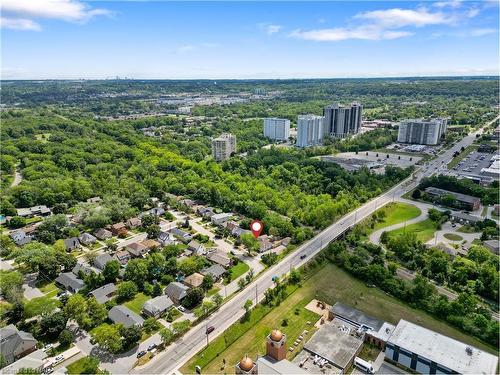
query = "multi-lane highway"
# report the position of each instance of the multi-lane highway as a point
(179, 352)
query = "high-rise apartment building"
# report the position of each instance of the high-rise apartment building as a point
(309, 130)
(223, 146)
(277, 129)
(341, 121)
(422, 132)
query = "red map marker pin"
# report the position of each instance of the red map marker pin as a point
(256, 227)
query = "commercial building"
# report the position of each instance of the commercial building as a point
(463, 201)
(341, 121)
(277, 129)
(422, 132)
(429, 352)
(224, 146)
(309, 130)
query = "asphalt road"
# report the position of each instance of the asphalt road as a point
(179, 352)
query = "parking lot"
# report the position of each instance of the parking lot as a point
(473, 163)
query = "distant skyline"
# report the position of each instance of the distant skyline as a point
(73, 39)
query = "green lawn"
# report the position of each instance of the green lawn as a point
(453, 237)
(467, 229)
(48, 288)
(40, 305)
(424, 230)
(238, 270)
(212, 291)
(78, 367)
(136, 304)
(330, 284)
(396, 213)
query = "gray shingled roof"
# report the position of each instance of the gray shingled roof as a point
(176, 290)
(11, 339)
(70, 281)
(123, 315)
(157, 305)
(104, 293)
(101, 260)
(216, 270)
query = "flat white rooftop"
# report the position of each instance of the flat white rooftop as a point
(442, 349)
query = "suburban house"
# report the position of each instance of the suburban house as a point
(238, 232)
(70, 282)
(264, 243)
(103, 234)
(123, 257)
(104, 293)
(35, 360)
(176, 291)
(101, 260)
(230, 225)
(20, 238)
(79, 267)
(150, 244)
(87, 239)
(188, 203)
(34, 211)
(137, 250)
(157, 306)
(133, 223)
(155, 211)
(219, 219)
(72, 243)
(462, 218)
(118, 228)
(194, 280)
(216, 270)
(196, 248)
(181, 235)
(165, 238)
(219, 258)
(206, 212)
(15, 344)
(123, 315)
(463, 201)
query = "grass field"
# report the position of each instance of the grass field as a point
(40, 305)
(238, 270)
(396, 213)
(136, 304)
(424, 230)
(453, 237)
(78, 367)
(330, 284)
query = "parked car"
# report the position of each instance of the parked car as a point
(210, 329)
(58, 359)
(181, 309)
(142, 353)
(151, 347)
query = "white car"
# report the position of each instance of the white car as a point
(58, 359)
(181, 309)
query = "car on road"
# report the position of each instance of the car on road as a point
(142, 353)
(181, 309)
(58, 359)
(303, 256)
(209, 329)
(151, 347)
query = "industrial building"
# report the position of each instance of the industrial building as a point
(422, 132)
(223, 146)
(341, 121)
(309, 130)
(277, 129)
(428, 352)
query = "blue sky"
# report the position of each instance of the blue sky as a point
(43, 39)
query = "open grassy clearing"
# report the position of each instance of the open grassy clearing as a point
(452, 237)
(396, 213)
(238, 270)
(424, 230)
(330, 284)
(136, 304)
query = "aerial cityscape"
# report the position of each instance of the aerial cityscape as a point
(249, 187)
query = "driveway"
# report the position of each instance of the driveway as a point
(448, 228)
(30, 290)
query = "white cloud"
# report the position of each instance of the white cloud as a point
(338, 34)
(482, 32)
(20, 14)
(448, 4)
(270, 28)
(185, 48)
(397, 17)
(19, 24)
